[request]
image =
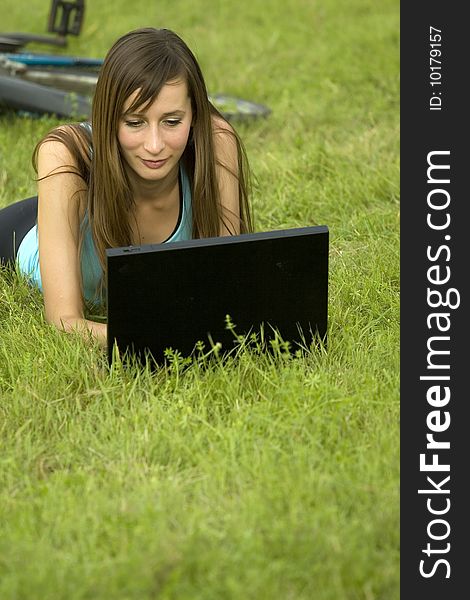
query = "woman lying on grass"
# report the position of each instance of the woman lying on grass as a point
(157, 164)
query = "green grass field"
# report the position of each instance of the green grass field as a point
(267, 477)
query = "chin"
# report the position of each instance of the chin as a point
(152, 175)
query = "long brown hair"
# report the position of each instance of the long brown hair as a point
(145, 60)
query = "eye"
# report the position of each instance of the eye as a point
(172, 122)
(133, 122)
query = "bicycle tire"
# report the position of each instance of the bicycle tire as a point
(67, 80)
(237, 109)
(29, 97)
(75, 76)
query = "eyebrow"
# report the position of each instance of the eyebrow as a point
(177, 112)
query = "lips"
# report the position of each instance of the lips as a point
(154, 164)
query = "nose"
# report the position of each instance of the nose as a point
(153, 143)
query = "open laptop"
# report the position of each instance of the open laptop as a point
(163, 296)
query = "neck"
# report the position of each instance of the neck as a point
(157, 192)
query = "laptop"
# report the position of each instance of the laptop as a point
(172, 296)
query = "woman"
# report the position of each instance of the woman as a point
(157, 164)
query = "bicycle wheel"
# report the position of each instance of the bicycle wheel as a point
(79, 75)
(237, 109)
(68, 80)
(21, 95)
(69, 74)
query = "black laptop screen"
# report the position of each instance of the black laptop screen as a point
(174, 295)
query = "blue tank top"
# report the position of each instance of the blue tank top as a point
(28, 253)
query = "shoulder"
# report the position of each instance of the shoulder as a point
(54, 153)
(221, 129)
(64, 149)
(225, 141)
(62, 165)
(69, 142)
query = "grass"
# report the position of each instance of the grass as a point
(266, 476)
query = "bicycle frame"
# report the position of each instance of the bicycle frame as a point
(64, 85)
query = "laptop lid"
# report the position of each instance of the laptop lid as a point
(173, 295)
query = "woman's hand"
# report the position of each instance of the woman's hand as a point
(87, 329)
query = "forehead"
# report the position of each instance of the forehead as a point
(172, 96)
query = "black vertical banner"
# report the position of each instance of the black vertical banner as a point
(435, 254)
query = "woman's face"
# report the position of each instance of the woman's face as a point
(153, 138)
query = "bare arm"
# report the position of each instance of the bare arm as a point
(61, 198)
(226, 153)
